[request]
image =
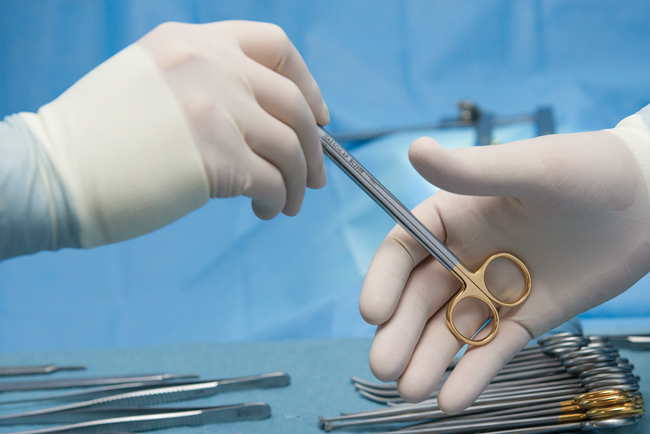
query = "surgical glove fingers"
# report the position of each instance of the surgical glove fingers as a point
(427, 290)
(392, 264)
(269, 45)
(235, 169)
(288, 102)
(479, 365)
(296, 101)
(248, 72)
(436, 348)
(278, 144)
(282, 99)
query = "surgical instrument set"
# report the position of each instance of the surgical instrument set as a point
(564, 379)
(472, 283)
(129, 407)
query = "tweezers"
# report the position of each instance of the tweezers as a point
(71, 413)
(20, 386)
(102, 391)
(150, 419)
(35, 370)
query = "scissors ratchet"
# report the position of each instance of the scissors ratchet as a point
(472, 283)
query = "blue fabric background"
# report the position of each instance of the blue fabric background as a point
(220, 275)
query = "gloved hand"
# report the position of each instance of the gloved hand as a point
(252, 106)
(574, 208)
(186, 113)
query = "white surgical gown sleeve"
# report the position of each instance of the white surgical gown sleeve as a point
(108, 160)
(35, 212)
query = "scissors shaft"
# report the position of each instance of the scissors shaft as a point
(387, 201)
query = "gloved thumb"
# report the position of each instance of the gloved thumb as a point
(512, 169)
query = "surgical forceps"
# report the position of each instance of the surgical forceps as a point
(80, 411)
(472, 283)
(15, 386)
(150, 419)
(35, 370)
(112, 389)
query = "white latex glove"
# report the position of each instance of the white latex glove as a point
(252, 106)
(574, 208)
(187, 113)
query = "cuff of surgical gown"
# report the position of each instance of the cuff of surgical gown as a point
(123, 149)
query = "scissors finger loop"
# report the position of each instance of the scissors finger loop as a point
(469, 292)
(480, 275)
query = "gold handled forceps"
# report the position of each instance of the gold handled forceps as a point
(472, 283)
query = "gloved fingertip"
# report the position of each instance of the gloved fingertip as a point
(424, 152)
(413, 393)
(459, 393)
(446, 168)
(323, 177)
(262, 212)
(324, 117)
(317, 181)
(292, 211)
(382, 365)
(454, 405)
(373, 309)
(450, 409)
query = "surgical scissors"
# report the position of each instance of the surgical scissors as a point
(587, 366)
(472, 283)
(505, 397)
(567, 421)
(564, 427)
(564, 408)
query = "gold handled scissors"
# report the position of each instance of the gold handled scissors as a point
(472, 283)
